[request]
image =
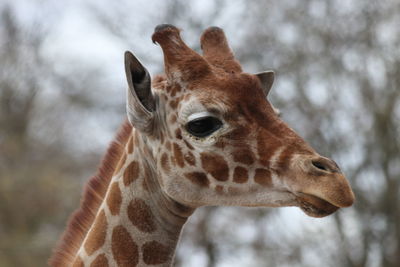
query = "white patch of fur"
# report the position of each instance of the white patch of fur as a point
(197, 115)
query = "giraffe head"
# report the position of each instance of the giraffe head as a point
(214, 138)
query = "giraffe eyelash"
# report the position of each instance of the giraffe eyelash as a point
(197, 115)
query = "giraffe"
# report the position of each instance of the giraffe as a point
(202, 134)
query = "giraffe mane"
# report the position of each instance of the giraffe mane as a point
(95, 190)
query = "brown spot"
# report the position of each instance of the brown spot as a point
(131, 173)
(174, 103)
(178, 133)
(97, 235)
(114, 199)
(164, 162)
(240, 175)
(173, 119)
(198, 178)
(188, 145)
(190, 158)
(219, 189)
(155, 253)
(244, 156)
(140, 215)
(216, 165)
(130, 145)
(100, 261)
(175, 89)
(121, 163)
(78, 262)
(178, 88)
(125, 251)
(178, 155)
(263, 177)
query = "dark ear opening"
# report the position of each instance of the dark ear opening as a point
(139, 81)
(140, 102)
(267, 79)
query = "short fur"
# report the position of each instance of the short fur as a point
(94, 193)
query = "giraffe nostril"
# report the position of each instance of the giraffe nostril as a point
(319, 165)
(325, 164)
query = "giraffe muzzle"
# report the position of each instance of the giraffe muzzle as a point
(321, 188)
(314, 206)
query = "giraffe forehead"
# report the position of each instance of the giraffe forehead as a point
(233, 96)
(236, 87)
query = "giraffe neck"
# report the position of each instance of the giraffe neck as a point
(137, 224)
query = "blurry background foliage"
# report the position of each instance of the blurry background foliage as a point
(62, 94)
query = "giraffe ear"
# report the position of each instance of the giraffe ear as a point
(140, 102)
(267, 79)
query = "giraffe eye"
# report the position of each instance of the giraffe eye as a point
(204, 126)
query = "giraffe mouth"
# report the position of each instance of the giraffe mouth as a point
(314, 206)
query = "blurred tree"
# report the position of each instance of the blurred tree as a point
(40, 172)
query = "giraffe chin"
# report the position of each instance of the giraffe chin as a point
(314, 206)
